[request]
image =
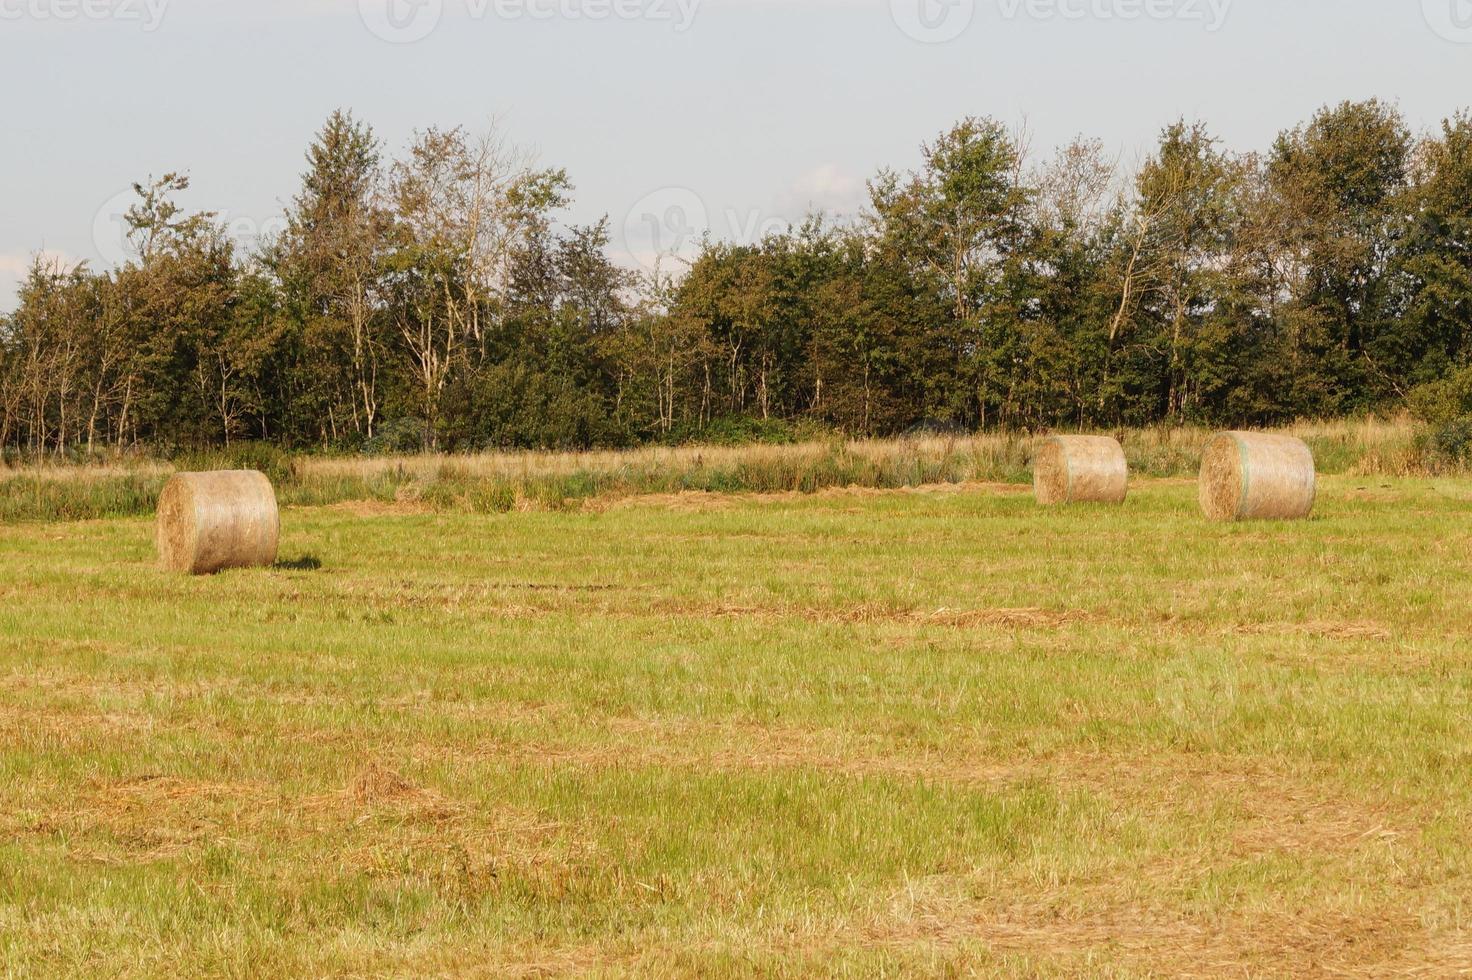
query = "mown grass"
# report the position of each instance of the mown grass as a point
(502, 482)
(936, 732)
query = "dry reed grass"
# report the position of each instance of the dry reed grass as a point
(507, 481)
(1378, 446)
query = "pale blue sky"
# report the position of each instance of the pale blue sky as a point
(754, 110)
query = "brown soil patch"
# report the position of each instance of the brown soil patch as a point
(151, 818)
(381, 508)
(697, 501)
(58, 727)
(1364, 630)
(1375, 495)
(873, 613)
(1323, 943)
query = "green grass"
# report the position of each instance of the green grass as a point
(851, 733)
(68, 497)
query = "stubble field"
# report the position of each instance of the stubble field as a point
(926, 732)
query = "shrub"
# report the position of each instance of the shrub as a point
(1451, 442)
(1439, 403)
(278, 465)
(38, 498)
(743, 430)
(1446, 408)
(397, 437)
(493, 498)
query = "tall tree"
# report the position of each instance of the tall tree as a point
(330, 265)
(958, 223)
(1343, 178)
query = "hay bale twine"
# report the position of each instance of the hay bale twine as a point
(1254, 476)
(1080, 469)
(208, 522)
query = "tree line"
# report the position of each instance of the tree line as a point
(436, 299)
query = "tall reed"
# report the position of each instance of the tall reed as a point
(501, 481)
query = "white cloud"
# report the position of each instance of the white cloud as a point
(827, 188)
(829, 182)
(15, 266)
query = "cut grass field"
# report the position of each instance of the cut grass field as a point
(937, 732)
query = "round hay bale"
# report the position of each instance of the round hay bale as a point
(1253, 476)
(1080, 469)
(208, 522)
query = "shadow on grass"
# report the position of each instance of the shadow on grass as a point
(306, 563)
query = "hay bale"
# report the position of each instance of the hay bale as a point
(208, 522)
(1080, 469)
(1253, 476)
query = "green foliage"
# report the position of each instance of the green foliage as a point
(737, 430)
(1452, 441)
(69, 498)
(1446, 408)
(1445, 401)
(396, 437)
(278, 465)
(437, 299)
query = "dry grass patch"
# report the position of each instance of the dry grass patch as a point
(853, 734)
(1148, 942)
(152, 818)
(373, 509)
(702, 501)
(1321, 630)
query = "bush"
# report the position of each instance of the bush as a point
(1446, 408)
(931, 428)
(397, 437)
(1451, 442)
(1440, 403)
(38, 498)
(278, 465)
(744, 430)
(493, 498)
